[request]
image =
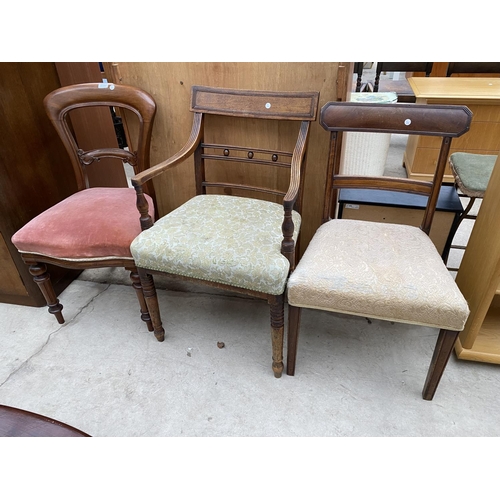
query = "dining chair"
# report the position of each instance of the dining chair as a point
(378, 270)
(401, 87)
(221, 237)
(471, 174)
(92, 228)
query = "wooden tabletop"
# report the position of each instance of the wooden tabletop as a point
(15, 422)
(455, 88)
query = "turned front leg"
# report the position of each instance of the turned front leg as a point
(42, 278)
(277, 332)
(149, 290)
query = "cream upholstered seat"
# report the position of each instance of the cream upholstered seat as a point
(211, 247)
(375, 270)
(379, 270)
(239, 232)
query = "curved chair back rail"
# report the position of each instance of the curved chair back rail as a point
(400, 86)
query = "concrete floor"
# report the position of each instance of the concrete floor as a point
(104, 373)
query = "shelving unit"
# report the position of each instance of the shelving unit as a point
(479, 280)
(481, 95)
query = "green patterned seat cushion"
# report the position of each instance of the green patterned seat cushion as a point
(224, 239)
(472, 172)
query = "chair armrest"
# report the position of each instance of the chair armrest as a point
(288, 244)
(180, 156)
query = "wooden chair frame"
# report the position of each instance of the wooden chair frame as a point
(58, 105)
(413, 119)
(296, 106)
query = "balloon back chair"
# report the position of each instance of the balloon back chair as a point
(92, 228)
(377, 270)
(221, 237)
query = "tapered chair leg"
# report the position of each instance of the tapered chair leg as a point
(277, 307)
(293, 336)
(42, 278)
(444, 346)
(149, 290)
(136, 284)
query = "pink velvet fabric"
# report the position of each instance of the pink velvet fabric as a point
(93, 223)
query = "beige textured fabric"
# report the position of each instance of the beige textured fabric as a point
(225, 239)
(385, 271)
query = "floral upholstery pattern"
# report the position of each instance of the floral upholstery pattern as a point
(223, 239)
(378, 270)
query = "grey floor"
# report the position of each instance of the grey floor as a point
(103, 372)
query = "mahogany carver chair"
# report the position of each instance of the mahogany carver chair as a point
(92, 228)
(221, 237)
(377, 270)
(401, 87)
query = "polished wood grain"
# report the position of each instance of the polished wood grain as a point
(34, 173)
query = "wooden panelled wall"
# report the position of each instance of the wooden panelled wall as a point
(170, 85)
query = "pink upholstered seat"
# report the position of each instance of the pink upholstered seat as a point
(95, 223)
